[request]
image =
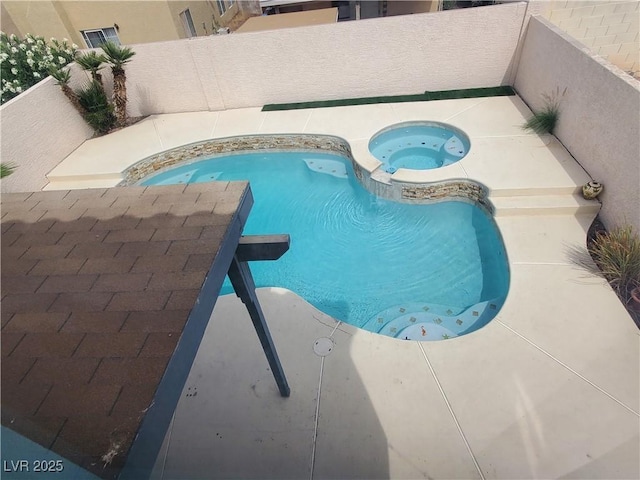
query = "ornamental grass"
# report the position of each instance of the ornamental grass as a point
(617, 255)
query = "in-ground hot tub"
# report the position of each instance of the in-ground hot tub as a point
(419, 146)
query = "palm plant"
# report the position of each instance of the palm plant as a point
(92, 62)
(118, 56)
(62, 77)
(98, 110)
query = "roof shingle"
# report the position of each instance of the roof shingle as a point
(97, 286)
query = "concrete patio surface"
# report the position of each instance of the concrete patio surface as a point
(548, 389)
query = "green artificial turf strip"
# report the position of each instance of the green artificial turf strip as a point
(421, 97)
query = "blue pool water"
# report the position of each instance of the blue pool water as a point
(419, 146)
(423, 272)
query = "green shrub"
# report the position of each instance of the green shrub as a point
(617, 255)
(24, 62)
(99, 112)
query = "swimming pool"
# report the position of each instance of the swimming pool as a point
(393, 268)
(419, 146)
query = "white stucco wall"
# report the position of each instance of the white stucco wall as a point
(164, 77)
(599, 120)
(38, 129)
(384, 56)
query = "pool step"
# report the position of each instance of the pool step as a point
(543, 204)
(568, 189)
(428, 322)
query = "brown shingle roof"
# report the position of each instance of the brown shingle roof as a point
(97, 286)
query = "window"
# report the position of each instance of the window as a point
(97, 37)
(187, 22)
(224, 5)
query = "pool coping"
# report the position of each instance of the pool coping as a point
(425, 192)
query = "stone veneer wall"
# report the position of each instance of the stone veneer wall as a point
(442, 191)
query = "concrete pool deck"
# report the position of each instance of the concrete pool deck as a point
(526, 165)
(549, 389)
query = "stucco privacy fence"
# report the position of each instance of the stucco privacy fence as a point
(599, 120)
(479, 47)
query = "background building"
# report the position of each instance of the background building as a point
(353, 9)
(90, 23)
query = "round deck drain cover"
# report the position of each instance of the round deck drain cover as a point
(323, 346)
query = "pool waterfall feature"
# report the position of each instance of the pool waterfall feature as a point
(406, 319)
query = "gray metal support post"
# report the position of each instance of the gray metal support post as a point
(242, 281)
